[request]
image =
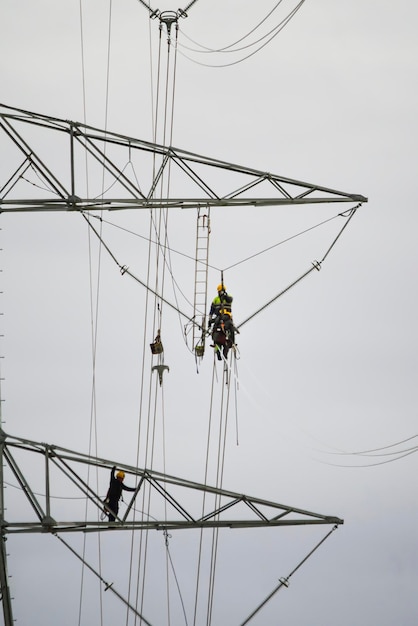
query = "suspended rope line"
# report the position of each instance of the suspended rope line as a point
(236, 387)
(94, 313)
(155, 242)
(316, 265)
(143, 537)
(284, 582)
(277, 30)
(125, 270)
(283, 241)
(205, 480)
(223, 423)
(167, 536)
(161, 232)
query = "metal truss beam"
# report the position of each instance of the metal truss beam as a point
(136, 170)
(174, 501)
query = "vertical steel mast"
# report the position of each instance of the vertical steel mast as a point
(4, 578)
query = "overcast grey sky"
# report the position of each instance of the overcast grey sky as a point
(330, 368)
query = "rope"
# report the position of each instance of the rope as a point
(160, 229)
(125, 270)
(283, 241)
(143, 538)
(169, 248)
(223, 423)
(93, 441)
(204, 493)
(316, 265)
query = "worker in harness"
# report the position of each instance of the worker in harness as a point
(223, 333)
(114, 493)
(222, 301)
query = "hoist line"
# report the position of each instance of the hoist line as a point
(199, 560)
(316, 265)
(125, 270)
(219, 482)
(166, 247)
(162, 214)
(95, 331)
(167, 553)
(236, 385)
(161, 227)
(108, 586)
(286, 240)
(142, 378)
(139, 434)
(169, 248)
(143, 543)
(94, 309)
(150, 448)
(284, 582)
(83, 78)
(176, 580)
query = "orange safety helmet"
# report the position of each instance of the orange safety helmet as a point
(221, 287)
(120, 475)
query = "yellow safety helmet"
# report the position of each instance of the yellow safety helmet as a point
(221, 287)
(120, 475)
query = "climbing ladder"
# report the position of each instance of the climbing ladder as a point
(201, 280)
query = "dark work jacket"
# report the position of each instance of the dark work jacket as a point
(115, 488)
(223, 330)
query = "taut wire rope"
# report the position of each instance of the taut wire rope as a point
(316, 265)
(142, 549)
(94, 307)
(199, 560)
(160, 227)
(222, 437)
